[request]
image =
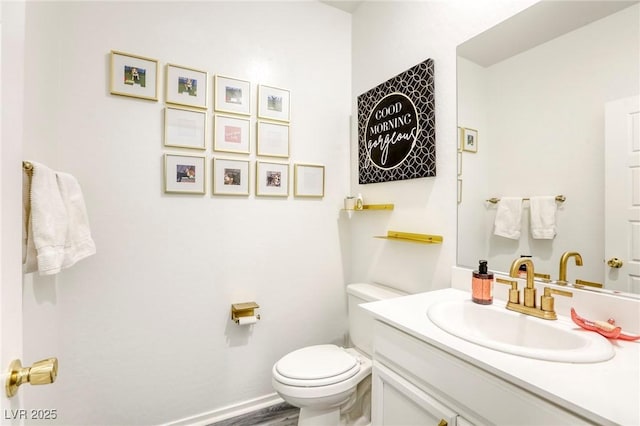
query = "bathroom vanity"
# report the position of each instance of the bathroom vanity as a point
(424, 375)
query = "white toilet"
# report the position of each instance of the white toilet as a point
(331, 385)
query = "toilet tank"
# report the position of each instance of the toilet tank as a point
(360, 320)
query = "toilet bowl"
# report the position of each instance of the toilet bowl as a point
(323, 376)
(327, 382)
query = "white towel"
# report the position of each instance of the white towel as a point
(508, 217)
(47, 225)
(57, 229)
(78, 243)
(543, 217)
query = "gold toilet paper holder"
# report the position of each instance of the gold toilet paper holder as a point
(246, 309)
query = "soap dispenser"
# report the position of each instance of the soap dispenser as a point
(482, 285)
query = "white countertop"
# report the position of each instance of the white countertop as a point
(605, 392)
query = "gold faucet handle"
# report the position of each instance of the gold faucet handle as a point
(544, 277)
(546, 301)
(514, 294)
(512, 283)
(548, 291)
(588, 283)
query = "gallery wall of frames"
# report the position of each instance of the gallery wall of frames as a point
(241, 134)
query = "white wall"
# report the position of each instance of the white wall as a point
(544, 126)
(388, 38)
(142, 329)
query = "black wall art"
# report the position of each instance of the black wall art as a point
(396, 127)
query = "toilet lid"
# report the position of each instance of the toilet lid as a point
(319, 365)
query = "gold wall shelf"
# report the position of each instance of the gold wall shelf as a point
(412, 238)
(377, 207)
(372, 207)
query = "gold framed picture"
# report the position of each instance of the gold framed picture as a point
(272, 139)
(184, 128)
(186, 86)
(134, 76)
(184, 174)
(274, 103)
(308, 180)
(232, 134)
(272, 179)
(232, 95)
(230, 177)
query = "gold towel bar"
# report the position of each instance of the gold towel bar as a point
(559, 198)
(28, 168)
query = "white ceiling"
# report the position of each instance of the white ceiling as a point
(538, 24)
(346, 5)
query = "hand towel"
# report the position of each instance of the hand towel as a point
(78, 242)
(57, 226)
(47, 226)
(508, 217)
(543, 217)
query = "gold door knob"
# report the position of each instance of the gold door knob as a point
(443, 422)
(40, 373)
(614, 262)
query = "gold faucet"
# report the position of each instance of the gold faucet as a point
(528, 306)
(529, 290)
(562, 276)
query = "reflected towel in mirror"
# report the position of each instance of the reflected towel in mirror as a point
(543, 217)
(508, 218)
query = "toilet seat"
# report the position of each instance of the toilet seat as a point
(313, 366)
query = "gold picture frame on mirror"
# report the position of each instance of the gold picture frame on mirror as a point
(469, 140)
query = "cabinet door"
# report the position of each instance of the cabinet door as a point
(397, 402)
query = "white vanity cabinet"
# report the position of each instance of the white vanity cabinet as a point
(416, 383)
(398, 402)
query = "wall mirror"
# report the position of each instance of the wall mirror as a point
(532, 95)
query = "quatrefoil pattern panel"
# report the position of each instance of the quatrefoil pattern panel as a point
(396, 127)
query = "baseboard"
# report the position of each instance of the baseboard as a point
(229, 411)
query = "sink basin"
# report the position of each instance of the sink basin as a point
(495, 327)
